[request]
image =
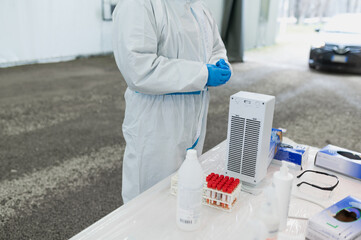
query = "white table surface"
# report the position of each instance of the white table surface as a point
(152, 215)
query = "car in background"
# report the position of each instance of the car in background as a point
(338, 45)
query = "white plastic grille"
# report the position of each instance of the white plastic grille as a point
(236, 144)
(250, 151)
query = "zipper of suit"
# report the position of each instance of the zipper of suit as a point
(204, 97)
(202, 30)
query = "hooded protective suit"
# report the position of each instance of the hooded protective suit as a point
(161, 48)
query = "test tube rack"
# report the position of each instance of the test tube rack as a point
(220, 192)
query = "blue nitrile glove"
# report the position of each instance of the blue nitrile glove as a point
(217, 76)
(222, 64)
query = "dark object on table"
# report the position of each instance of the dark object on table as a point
(349, 155)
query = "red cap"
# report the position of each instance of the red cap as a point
(226, 177)
(214, 185)
(232, 179)
(230, 190)
(219, 187)
(209, 185)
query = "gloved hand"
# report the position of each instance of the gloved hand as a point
(222, 64)
(217, 76)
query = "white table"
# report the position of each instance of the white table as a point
(152, 214)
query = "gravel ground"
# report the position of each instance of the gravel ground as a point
(61, 143)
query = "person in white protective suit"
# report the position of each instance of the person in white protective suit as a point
(169, 52)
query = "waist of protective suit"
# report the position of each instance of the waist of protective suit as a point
(185, 93)
(182, 93)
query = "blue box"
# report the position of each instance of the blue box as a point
(276, 140)
(340, 160)
(297, 154)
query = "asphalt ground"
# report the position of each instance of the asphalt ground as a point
(61, 143)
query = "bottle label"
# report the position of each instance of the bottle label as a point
(189, 206)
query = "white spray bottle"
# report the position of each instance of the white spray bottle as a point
(282, 182)
(268, 213)
(190, 193)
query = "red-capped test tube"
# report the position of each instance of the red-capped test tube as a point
(224, 196)
(219, 194)
(230, 198)
(209, 191)
(214, 193)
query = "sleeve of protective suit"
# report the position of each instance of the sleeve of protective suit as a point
(219, 50)
(136, 37)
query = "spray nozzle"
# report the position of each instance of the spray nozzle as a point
(192, 154)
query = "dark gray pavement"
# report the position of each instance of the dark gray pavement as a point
(61, 144)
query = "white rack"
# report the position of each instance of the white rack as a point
(225, 202)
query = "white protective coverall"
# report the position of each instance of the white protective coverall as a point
(161, 48)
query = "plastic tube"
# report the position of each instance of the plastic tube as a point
(209, 191)
(219, 194)
(282, 181)
(224, 196)
(214, 194)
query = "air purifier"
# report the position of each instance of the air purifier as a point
(248, 137)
